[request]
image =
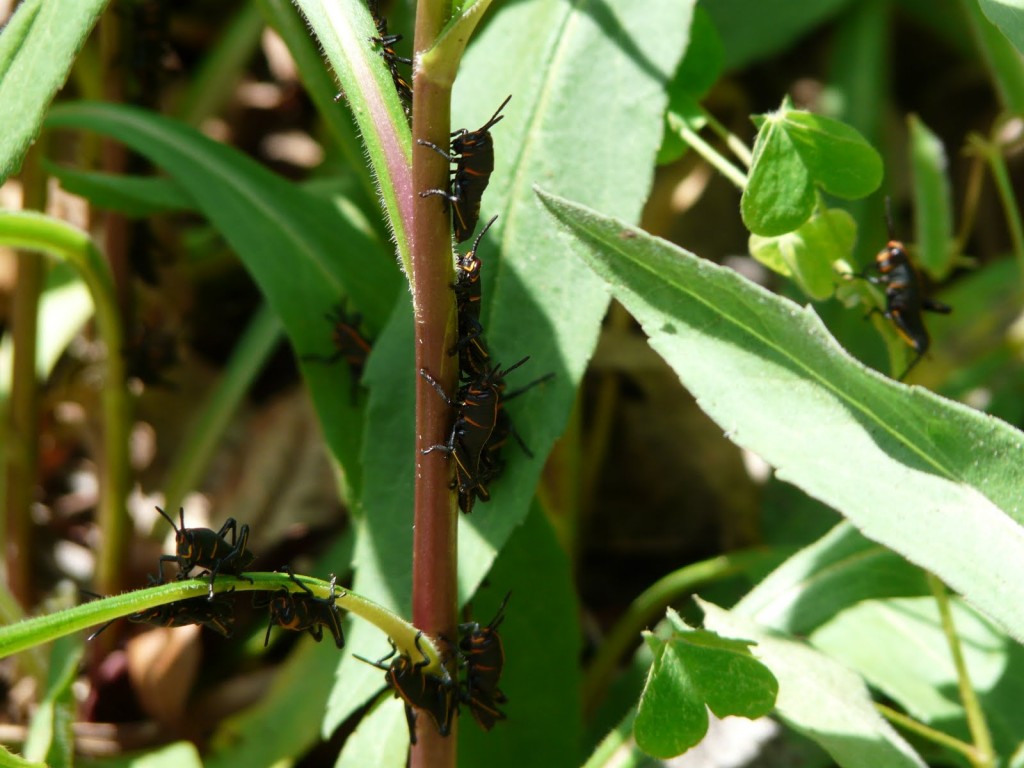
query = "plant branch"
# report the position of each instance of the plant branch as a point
(984, 753)
(679, 124)
(38, 233)
(991, 150)
(435, 543)
(732, 141)
(21, 458)
(927, 732)
(44, 629)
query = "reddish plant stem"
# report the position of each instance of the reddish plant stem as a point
(434, 538)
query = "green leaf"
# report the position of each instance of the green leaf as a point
(343, 29)
(930, 478)
(180, 754)
(671, 716)
(381, 739)
(702, 64)
(696, 73)
(821, 698)
(64, 307)
(696, 670)
(838, 158)
(901, 650)
(557, 127)
(1001, 55)
(541, 638)
(1008, 16)
(37, 47)
(933, 200)
(752, 31)
(8, 758)
(779, 195)
(50, 738)
(833, 573)
(133, 196)
(287, 238)
(795, 152)
(808, 253)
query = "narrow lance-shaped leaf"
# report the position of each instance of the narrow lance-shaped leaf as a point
(933, 201)
(301, 251)
(930, 478)
(840, 569)
(344, 29)
(37, 47)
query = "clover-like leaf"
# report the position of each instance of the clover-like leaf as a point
(695, 670)
(795, 152)
(808, 253)
(837, 157)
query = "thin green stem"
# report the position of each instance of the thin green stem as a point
(927, 732)
(732, 141)
(609, 750)
(21, 458)
(992, 152)
(43, 629)
(985, 755)
(38, 233)
(972, 196)
(651, 603)
(705, 150)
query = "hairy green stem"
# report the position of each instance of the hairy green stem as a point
(984, 756)
(650, 604)
(435, 542)
(44, 629)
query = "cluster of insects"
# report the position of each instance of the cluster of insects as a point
(224, 552)
(481, 658)
(481, 426)
(905, 301)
